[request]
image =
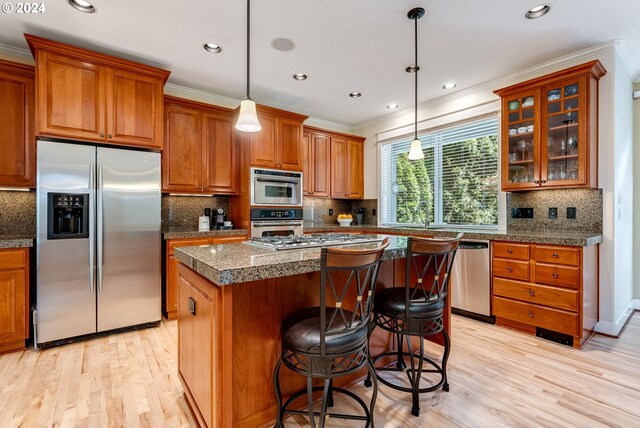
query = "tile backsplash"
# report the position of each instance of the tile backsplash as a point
(17, 213)
(183, 211)
(316, 210)
(587, 202)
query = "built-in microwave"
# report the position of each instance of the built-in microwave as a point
(276, 187)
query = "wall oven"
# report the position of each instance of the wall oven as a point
(266, 222)
(276, 187)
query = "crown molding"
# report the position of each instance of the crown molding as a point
(507, 80)
(328, 125)
(630, 62)
(16, 52)
(202, 96)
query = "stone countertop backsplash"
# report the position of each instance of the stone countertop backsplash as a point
(17, 219)
(575, 239)
(182, 233)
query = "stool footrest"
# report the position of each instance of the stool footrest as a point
(392, 368)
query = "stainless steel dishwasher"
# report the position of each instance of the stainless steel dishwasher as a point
(471, 281)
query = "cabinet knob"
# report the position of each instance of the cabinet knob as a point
(555, 255)
(530, 314)
(544, 181)
(509, 269)
(536, 181)
(102, 135)
(531, 293)
(510, 251)
(555, 275)
(109, 136)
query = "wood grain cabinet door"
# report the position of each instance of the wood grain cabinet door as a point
(289, 154)
(12, 307)
(182, 154)
(220, 156)
(355, 169)
(321, 146)
(71, 97)
(17, 127)
(264, 151)
(338, 168)
(134, 109)
(307, 164)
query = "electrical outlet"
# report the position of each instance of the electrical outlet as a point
(373, 211)
(521, 212)
(571, 213)
(330, 211)
(553, 213)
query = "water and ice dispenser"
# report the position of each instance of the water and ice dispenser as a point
(67, 215)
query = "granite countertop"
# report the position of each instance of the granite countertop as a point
(16, 241)
(526, 236)
(226, 264)
(179, 233)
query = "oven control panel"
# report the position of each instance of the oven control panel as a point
(276, 214)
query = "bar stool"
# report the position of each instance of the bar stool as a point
(329, 342)
(417, 310)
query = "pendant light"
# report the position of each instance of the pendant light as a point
(248, 117)
(415, 153)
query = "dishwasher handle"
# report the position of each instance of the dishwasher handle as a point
(466, 245)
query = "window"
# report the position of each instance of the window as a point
(456, 182)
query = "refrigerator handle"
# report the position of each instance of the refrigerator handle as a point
(100, 229)
(92, 235)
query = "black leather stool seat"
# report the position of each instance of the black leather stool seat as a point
(301, 331)
(391, 301)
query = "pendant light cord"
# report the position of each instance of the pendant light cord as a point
(248, 47)
(415, 20)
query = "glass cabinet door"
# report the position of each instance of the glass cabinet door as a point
(520, 154)
(564, 140)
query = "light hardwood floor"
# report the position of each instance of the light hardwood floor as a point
(498, 378)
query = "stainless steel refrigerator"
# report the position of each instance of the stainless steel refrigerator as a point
(98, 243)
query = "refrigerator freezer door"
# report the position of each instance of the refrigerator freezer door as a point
(129, 241)
(66, 302)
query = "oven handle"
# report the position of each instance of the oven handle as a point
(284, 180)
(276, 225)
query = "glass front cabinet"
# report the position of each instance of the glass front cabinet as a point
(549, 130)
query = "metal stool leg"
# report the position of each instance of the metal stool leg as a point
(325, 401)
(400, 361)
(276, 386)
(310, 401)
(445, 358)
(414, 380)
(374, 395)
(330, 397)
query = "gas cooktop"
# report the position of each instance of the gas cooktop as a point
(310, 240)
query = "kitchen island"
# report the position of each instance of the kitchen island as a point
(232, 300)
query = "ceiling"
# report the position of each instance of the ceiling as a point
(342, 45)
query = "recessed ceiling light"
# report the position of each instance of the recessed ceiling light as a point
(82, 6)
(449, 85)
(537, 11)
(355, 94)
(392, 106)
(212, 47)
(300, 76)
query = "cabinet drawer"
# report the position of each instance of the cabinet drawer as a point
(509, 250)
(540, 294)
(557, 255)
(11, 259)
(512, 269)
(539, 316)
(565, 276)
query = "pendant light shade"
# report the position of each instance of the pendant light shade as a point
(415, 153)
(248, 118)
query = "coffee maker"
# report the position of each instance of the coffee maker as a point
(218, 217)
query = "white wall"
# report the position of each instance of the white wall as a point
(614, 164)
(636, 197)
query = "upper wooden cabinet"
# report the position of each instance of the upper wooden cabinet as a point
(84, 95)
(550, 130)
(17, 130)
(279, 144)
(200, 150)
(316, 163)
(347, 168)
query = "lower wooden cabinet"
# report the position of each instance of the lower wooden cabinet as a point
(170, 294)
(14, 299)
(546, 289)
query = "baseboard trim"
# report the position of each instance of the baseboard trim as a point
(614, 329)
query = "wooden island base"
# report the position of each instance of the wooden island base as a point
(229, 342)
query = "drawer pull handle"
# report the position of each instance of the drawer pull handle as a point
(192, 306)
(555, 275)
(531, 293)
(510, 251)
(530, 314)
(555, 255)
(509, 269)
